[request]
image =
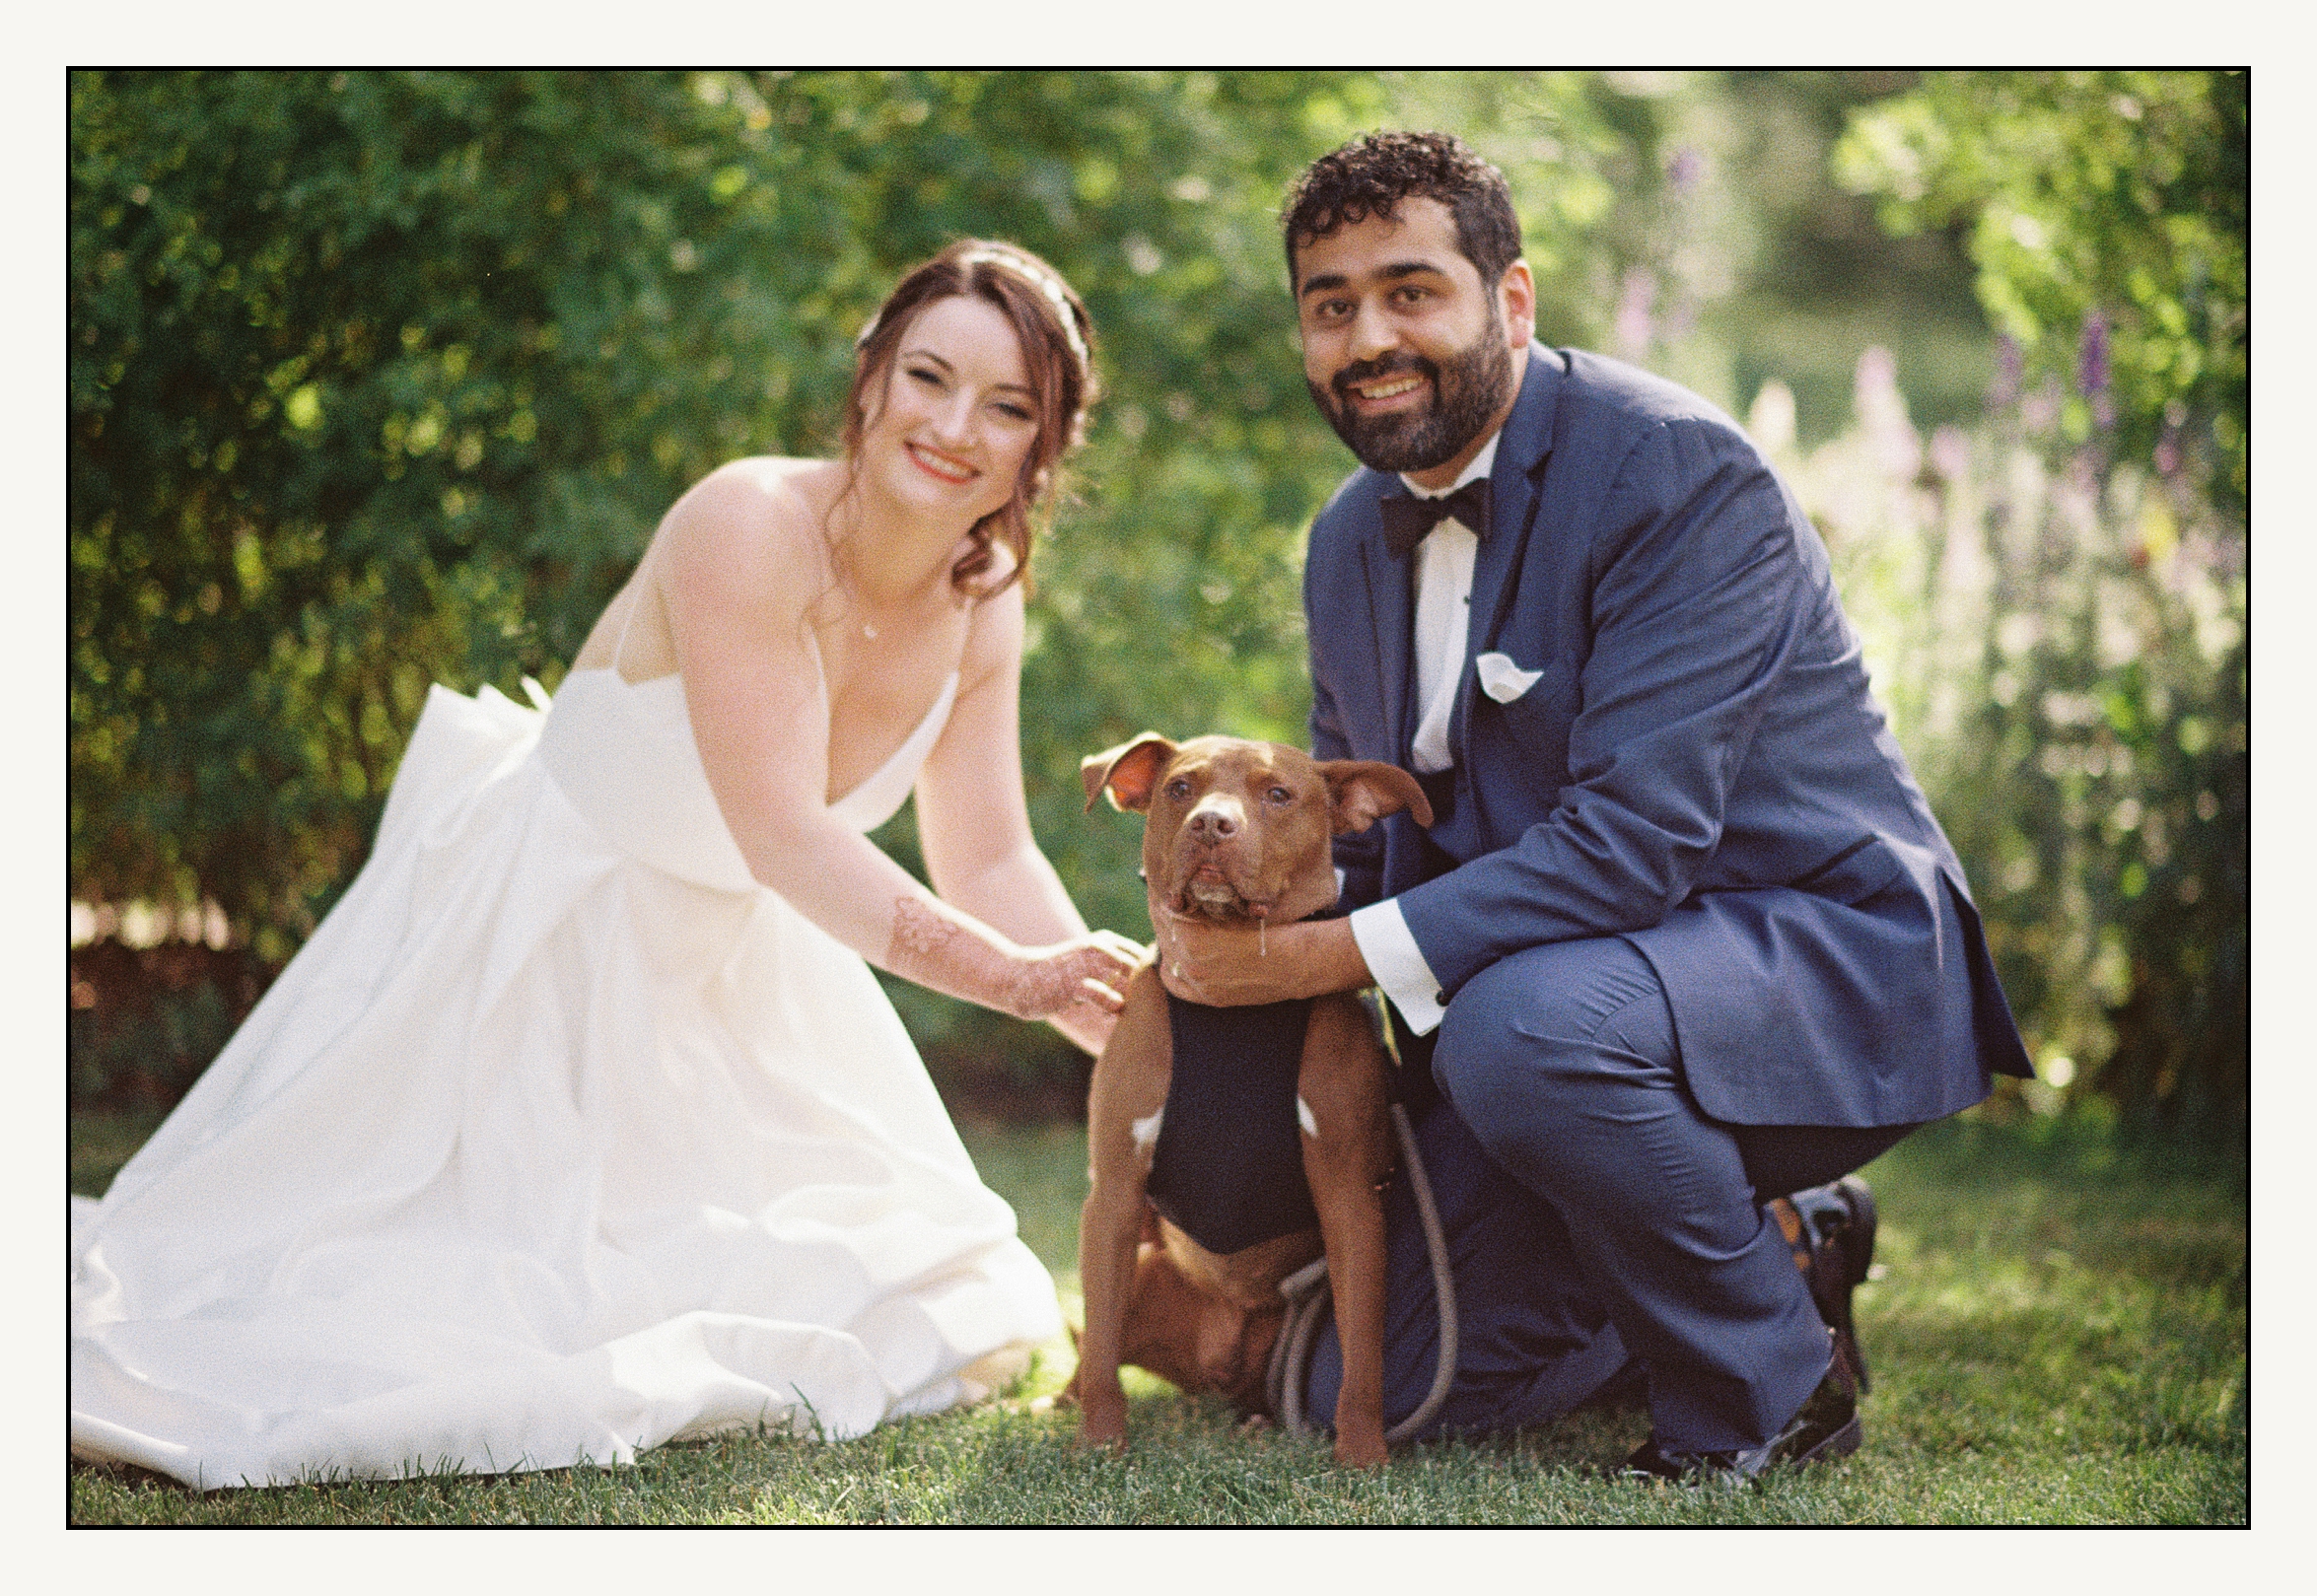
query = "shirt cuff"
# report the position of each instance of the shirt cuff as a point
(1397, 964)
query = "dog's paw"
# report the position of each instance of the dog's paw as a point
(1361, 1451)
(1101, 1421)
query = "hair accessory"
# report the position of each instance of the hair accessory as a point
(1045, 282)
(1047, 285)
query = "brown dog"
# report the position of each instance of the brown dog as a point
(1235, 831)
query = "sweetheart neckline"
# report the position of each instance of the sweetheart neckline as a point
(944, 700)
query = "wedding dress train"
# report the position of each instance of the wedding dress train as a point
(562, 1137)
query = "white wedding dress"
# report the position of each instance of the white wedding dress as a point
(562, 1137)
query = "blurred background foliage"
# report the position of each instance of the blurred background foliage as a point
(380, 379)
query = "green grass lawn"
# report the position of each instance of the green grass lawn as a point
(2058, 1337)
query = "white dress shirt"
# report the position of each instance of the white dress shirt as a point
(1444, 615)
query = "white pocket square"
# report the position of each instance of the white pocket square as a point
(1502, 679)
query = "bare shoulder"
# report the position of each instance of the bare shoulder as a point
(756, 497)
(751, 519)
(994, 635)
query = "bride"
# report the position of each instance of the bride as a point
(581, 1124)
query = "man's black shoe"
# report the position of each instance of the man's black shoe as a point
(1831, 1229)
(1827, 1428)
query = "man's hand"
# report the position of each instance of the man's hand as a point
(1229, 967)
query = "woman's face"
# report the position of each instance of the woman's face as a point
(959, 415)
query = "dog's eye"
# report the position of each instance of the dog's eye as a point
(1179, 789)
(1280, 795)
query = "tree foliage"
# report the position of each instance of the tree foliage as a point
(373, 381)
(2105, 754)
(379, 378)
(2109, 217)
(384, 378)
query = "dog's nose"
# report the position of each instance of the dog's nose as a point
(1213, 823)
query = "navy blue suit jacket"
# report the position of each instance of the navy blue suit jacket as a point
(1700, 767)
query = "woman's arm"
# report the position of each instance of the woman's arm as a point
(972, 820)
(740, 559)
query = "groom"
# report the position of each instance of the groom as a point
(1684, 936)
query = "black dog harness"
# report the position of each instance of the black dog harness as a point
(1229, 1173)
(1228, 1167)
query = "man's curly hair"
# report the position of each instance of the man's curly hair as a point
(1372, 175)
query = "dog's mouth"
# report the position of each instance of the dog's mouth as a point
(1208, 889)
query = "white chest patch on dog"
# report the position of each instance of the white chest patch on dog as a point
(1145, 1134)
(1306, 1118)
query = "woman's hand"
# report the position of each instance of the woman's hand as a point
(1093, 1016)
(938, 946)
(1088, 971)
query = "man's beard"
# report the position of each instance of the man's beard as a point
(1466, 394)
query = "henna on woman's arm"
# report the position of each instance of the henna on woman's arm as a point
(936, 951)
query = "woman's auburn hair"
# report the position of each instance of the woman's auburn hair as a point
(1061, 370)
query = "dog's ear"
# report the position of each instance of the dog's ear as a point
(1127, 772)
(1361, 792)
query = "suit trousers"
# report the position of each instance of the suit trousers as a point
(1563, 1061)
(1533, 1340)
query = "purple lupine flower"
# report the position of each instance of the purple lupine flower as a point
(2091, 356)
(1877, 374)
(1882, 410)
(2039, 411)
(2010, 366)
(1950, 454)
(2168, 445)
(1685, 169)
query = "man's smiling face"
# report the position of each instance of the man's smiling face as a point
(1411, 359)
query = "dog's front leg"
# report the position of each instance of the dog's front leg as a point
(1127, 1092)
(1347, 1153)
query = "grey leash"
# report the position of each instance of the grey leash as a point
(1307, 1300)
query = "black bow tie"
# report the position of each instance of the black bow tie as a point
(1407, 519)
